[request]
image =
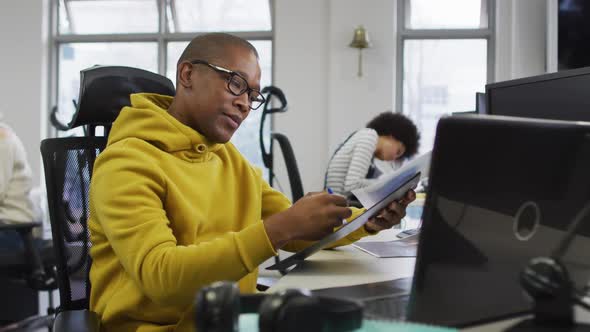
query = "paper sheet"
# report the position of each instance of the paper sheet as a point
(374, 193)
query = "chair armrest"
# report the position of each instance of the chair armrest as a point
(38, 279)
(77, 320)
(19, 226)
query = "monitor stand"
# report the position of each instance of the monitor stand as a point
(552, 314)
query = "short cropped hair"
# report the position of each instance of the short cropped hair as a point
(212, 46)
(399, 127)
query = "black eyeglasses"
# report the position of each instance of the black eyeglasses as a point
(237, 85)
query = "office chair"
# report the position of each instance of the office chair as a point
(68, 164)
(288, 157)
(32, 266)
(284, 145)
(27, 268)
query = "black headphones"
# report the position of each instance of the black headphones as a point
(219, 305)
(546, 278)
(547, 281)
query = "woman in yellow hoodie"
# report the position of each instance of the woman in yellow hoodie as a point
(174, 206)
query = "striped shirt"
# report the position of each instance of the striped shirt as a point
(350, 164)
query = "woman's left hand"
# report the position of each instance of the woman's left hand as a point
(390, 215)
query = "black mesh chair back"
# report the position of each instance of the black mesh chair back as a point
(105, 90)
(68, 164)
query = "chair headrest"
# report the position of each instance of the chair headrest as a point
(273, 91)
(105, 90)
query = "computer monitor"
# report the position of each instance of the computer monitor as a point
(560, 96)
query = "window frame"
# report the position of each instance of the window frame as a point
(404, 34)
(162, 38)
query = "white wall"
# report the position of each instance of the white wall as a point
(313, 65)
(318, 73)
(301, 71)
(23, 72)
(353, 101)
(317, 70)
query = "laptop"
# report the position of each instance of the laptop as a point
(501, 192)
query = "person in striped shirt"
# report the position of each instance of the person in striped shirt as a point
(389, 137)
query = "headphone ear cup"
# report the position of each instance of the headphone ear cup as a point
(289, 311)
(301, 313)
(217, 308)
(544, 278)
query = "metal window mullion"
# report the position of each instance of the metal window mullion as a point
(271, 7)
(162, 29)
(491, 51)
(446, 34)
(154, 37)
(52, 87)
(107, 38)
(178, 36)
(162, 56)
(399, 71)
(69, 15)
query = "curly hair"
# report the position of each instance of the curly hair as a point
(399, 127)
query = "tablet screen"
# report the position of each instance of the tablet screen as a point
(398, 188)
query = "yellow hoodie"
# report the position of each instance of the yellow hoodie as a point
(170, 212)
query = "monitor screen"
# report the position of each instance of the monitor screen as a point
(560, 96)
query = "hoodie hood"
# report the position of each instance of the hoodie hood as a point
(148, 119)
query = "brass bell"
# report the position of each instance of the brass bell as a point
(360, 40)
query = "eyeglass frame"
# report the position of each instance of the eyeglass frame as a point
(232, 74)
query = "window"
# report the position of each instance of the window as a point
(445, 56)
(151, 35)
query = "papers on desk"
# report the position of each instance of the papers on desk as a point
(406, 247)
(376, 192)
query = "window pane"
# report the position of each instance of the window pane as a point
(77, 56)
(441, 77)
(246, 138)
(227, 15)
(448, 14)
(174, 50)
(108, 16)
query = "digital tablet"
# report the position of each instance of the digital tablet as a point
(399, 187)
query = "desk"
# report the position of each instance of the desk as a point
(346, 266)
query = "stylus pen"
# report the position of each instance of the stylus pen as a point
(329, 190)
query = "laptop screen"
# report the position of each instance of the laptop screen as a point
(501, 192)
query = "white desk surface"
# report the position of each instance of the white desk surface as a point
(346, 266)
